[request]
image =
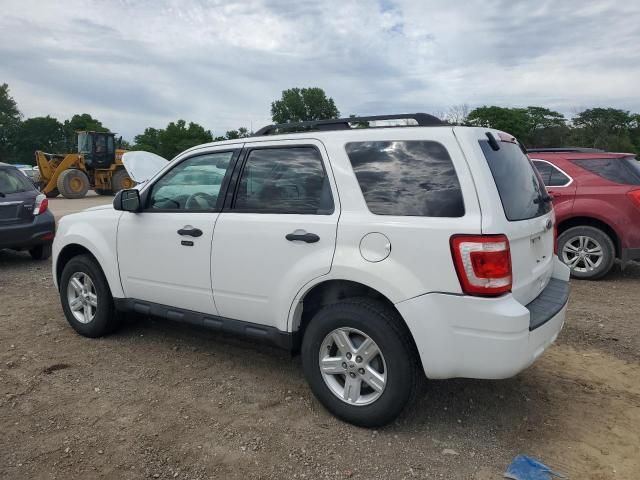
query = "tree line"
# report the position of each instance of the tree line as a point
(605, 128)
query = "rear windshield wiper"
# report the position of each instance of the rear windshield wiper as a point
(2, 194)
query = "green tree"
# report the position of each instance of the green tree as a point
(533, 126)
(177, 137)
(241, 132)
(149, 141)
(10, 118)
(302, 104)
(39, 133)
(606, 128)
(511, 120)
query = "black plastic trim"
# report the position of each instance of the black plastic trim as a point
(547, 305)
(263, 333)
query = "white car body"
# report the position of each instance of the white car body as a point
(241, 271)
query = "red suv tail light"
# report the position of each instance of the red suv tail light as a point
(41, 204)
(634, 196)
(483, 263)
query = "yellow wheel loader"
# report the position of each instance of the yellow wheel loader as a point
(97, 166)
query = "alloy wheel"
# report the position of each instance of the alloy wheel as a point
(352, 366)
(82, 297)
(582, 254)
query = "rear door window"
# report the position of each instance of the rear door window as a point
(625, 171)
(408, 178)
(521, 192)
(289, 180)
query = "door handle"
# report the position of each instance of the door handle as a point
(190, 231)
(302, 237)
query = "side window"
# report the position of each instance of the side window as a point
(551, 176)
(414, 178)
(193, 185)
(284, 180)
(544, 169)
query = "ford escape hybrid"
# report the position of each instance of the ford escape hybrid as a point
(378, 252)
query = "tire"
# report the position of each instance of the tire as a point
(41, 252)
(591, 266)
(99, 317)
(53, 193)
(398, 361)
(120, 180)
(101, 191)
(73, 183)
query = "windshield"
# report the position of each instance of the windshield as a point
(12, 181)
(84, 142)
(521, 192)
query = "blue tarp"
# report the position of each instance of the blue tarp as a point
(527, 468)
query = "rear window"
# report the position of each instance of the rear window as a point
(518, 183)
(619, 170)
(13, 181)
(407, 178)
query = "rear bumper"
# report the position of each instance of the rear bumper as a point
(490, 338)
(27, 235)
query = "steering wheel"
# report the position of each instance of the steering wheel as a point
(200, 201)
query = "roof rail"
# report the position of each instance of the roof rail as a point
(564, 149)
(422, 120)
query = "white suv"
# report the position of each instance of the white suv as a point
(374, 252)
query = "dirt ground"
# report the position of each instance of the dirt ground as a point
(163, 400)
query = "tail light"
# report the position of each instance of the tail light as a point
(483, 263)
(41, 204)
(634, 196)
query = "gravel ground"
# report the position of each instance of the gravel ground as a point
(162, 400)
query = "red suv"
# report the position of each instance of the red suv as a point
(596, 196)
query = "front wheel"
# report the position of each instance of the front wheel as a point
(86, 298)
(587, 251)
(360, 361)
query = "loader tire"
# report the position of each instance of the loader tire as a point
(73, 183)
(120, 180)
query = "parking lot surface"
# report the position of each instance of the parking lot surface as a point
(162, 400)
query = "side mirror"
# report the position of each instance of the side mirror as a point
(128, 200)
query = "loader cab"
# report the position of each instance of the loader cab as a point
(98, 148)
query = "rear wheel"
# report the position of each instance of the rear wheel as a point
(86, 298)
(120, 180)
(41, 252)
(587, 251)
(73, 183)
(360, 361)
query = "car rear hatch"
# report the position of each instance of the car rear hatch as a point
(526, 217)
(17, 197)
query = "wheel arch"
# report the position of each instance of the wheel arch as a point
(329, 291)
(582, 221)
(75, 248)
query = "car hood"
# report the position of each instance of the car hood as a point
(141, 166)
(99, 207)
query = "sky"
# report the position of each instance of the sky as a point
(143, 63)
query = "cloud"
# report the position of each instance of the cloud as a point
(139, 63)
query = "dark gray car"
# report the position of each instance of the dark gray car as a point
(25, 220)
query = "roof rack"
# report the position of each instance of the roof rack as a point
(564, 150)
(422, 120)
